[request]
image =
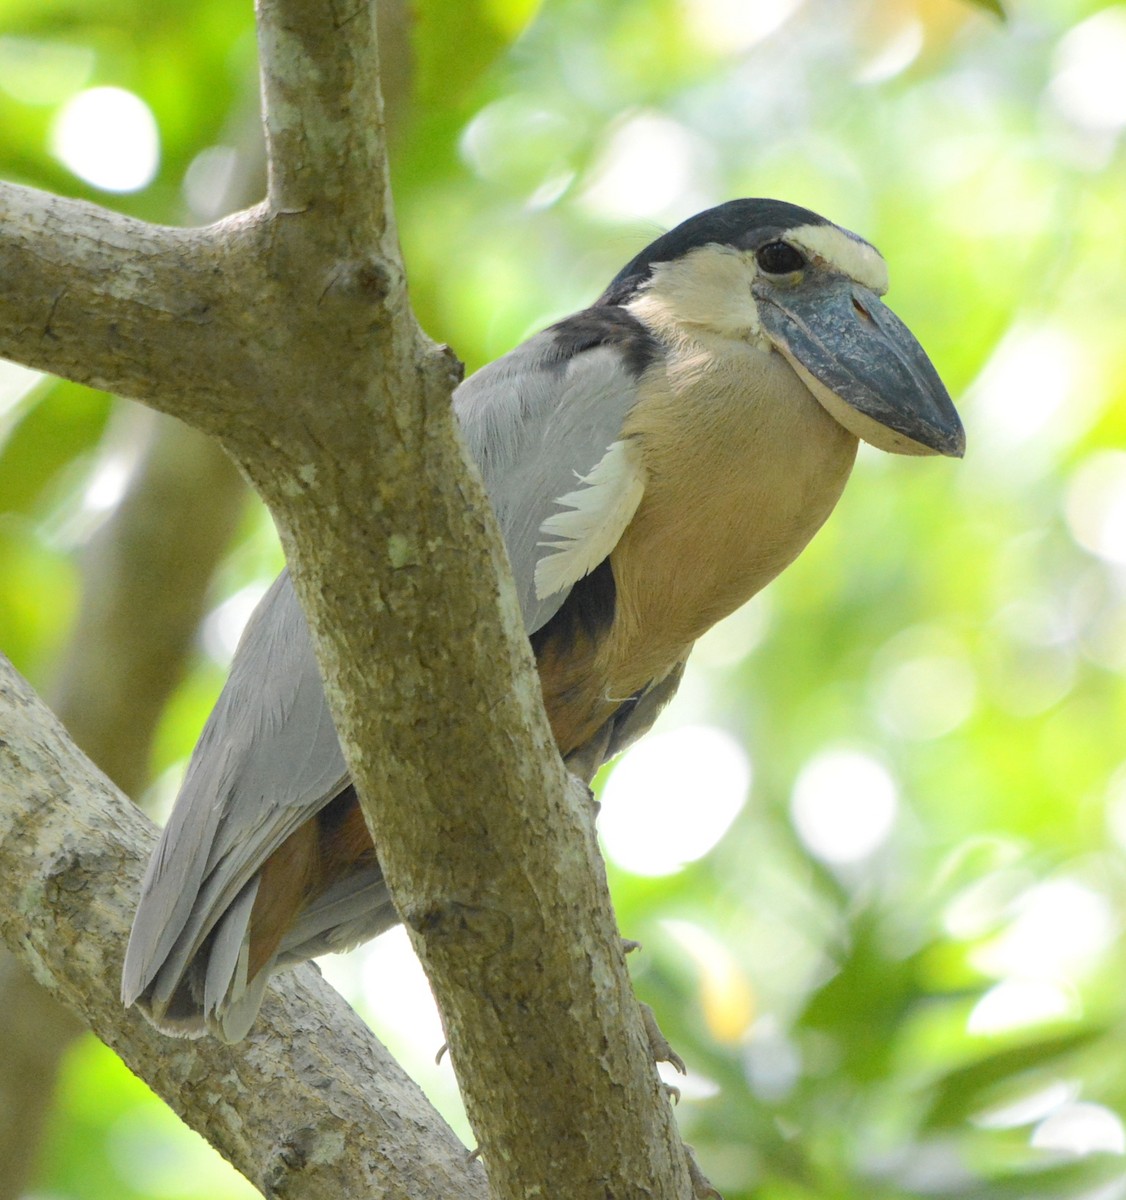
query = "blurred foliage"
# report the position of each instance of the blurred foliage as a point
(904, 987)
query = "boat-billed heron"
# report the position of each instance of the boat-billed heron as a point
(653, 460)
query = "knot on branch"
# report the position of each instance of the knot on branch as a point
(66, 872)
(369, 280)
(447, 362)
(299, 1149)
(450, 920)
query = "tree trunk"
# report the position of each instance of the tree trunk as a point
(282, 332)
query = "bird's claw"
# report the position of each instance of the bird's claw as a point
(701, 1187)
(658, 1044)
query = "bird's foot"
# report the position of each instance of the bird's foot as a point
(658, 1044)
(701, 1188)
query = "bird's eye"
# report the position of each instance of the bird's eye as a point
(779, 258)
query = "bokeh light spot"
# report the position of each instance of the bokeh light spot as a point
(223, 626)
(844, 805)
(1089, 81)
(1029, 393)
(208, 179)
(108, 482)
(732, 26)
(1115, 806)
(672, 797)
(1031, 1107)
(385, 981)
(925, 696)
(1020, 1003)
(1096, 505)
(109, 138)
(1080, 1129)
(1060, 928)
(15, 383)
(408, 1005)
(772, 1061)
(895, 55)
(647, 168)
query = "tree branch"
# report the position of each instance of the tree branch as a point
(489, 854)
(145, 577)
(341, 1119)
(116, 303)
(320, 64)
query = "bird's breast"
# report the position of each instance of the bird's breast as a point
(742, 467)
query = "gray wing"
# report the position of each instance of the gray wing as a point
(543, 424)
(268, 759)
(539, 428)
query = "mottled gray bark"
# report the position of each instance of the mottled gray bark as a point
(284, 332)
(145, 576)
(310, 1105)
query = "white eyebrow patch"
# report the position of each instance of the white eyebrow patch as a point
(843, 251)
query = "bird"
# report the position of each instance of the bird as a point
(653, 461)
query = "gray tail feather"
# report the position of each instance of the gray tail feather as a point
(211, 993)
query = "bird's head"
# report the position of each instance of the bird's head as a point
(790, 280)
